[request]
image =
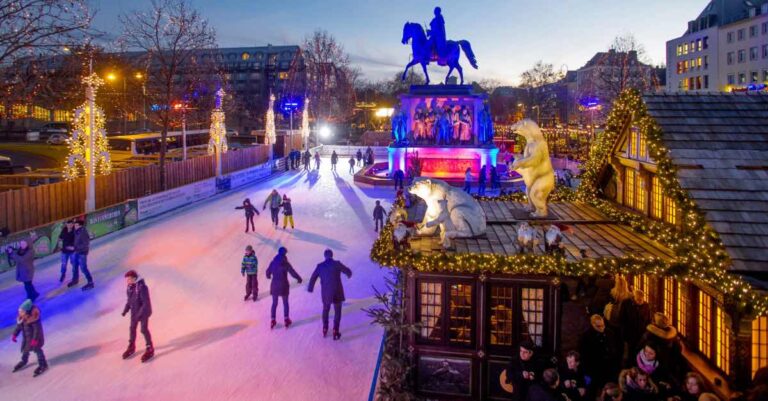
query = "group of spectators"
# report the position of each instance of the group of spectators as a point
(625, 355)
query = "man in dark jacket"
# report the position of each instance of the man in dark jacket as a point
(24, 259)
(398, 177)
(334, 160)
(278, 272)
(600, 353)
(306, 156)
(140, 306)
(82, 246)
(524, 369)
(30, 326)
(332, 291)
(67, 244)
(546, 390)
(359, 156)
(378, 216)
(250, 211)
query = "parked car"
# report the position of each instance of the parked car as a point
(57, 139)
(54, 128)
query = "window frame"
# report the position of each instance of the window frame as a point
(445, 315)
(517, 315)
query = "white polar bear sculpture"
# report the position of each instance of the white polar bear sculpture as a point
(535, 166)
(466, 217)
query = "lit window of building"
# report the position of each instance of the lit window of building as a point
(501, 319)
(656, 198)
(705, 324)
(679, 50)
(245, 56)
(532, 308)
(742, 78)
(759, 343)
(698, 44)
(640, 282)
(460, 314)
(642, 193)
(632, 143)
(723, 341)
(431, 310)
(629, 190)
(683, 308)
(685, 48)
(283, 75)
(670, 210)
(669, 296)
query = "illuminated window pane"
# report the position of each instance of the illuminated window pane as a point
(670, 210)
(657, 200)
(532, 307)
(632, 143)
(641, 193)
(759, 343)
(431, 309)
(723, 344)
(629, 188)
(705, 324)
(683, 308)
(669, 296)
(460, 314)
(501, 315)
(642, 151)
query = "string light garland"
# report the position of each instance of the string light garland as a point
(79, 143)
(699, 254)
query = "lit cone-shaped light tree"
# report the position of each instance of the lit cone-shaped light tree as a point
(88, 146)
(218, 132)
(271, 135)
(305, 124)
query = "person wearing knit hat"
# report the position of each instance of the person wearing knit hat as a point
(249, 268)
(23, 258)
(140, 306)
(30, 326)
(663, 336)
(661, 328)
(278, 272)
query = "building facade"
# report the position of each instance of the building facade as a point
(725, 48)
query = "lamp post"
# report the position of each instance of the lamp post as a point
(112, 77)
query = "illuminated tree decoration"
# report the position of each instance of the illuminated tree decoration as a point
(218, 131)
(305, 121)
(270, 129)
(81, 154)
(699, 254)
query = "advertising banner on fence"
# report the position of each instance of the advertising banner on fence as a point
(111, 219)
(248, 175)
(162, 202)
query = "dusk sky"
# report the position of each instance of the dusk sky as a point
(506, 36)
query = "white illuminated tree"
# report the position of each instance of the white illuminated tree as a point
(305, 124)
(218, 132)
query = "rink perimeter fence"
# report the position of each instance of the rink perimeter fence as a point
(44, 238)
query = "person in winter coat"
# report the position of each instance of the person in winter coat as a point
(352, 165)
(600, 354)
(468, 180)
(287, 211)
(24, 259)
(82, 246)
(306, 156)
(573, 381)
(250, 210)
(494, 178)
(359, 155)
(637, 386)
(693, 387)
(524, 369)
(273, 200)
(334, 160)
(663, 337)
(30, 326)
(647, 361)
(140, 306)
(67, 245)
(547, 388)
(635, 320)
(481, 181)
(332, 291)
(250, 269)
(378, 216)
(317, 160)
(398, 177)
(278, 272)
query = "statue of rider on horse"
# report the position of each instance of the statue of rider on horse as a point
(434, 47)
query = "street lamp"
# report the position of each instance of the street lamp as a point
(112, 77)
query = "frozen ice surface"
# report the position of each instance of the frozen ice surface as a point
(209, 343)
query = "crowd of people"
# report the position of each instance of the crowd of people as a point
(625, 355)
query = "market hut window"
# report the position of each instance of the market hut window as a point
(642, 193)
(532, 302)
(460, 328)
(705, 324)
(431, 307)
(670, 210)
(669, 297)
(632, 143)
(683, 308)
(629, 188)
(723, 341)
(657, 199)
(759, 343)
(501, 316)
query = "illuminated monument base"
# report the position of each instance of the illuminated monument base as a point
(441, 130)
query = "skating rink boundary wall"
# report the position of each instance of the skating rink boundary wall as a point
(44, 239)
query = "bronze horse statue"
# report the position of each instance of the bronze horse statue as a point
(422, 52)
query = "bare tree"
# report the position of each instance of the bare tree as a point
(538, 80)
(171, 33)
(330, 77)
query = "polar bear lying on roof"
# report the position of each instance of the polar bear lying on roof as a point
(463, 217)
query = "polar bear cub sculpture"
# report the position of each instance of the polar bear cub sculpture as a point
(535, 167)
(466, 216)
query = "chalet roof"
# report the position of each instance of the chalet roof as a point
(590, 230)
(719, 142)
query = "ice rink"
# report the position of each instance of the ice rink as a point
(209, 343)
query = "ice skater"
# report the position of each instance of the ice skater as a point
(306, 158)
(67, 245)
(352, 165)
(481, 182)
(331, 290)
(30, 325)
(140, 306)
(250, 210)
(359, 157)
(24, 259)
(287, 211)
(317, 160)
(273, 200)
(468, 180)
(334, 160)
(278, 272)
(250, 269)
(378, 216)
(82, 246)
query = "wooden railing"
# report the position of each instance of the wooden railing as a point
(32, 206)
